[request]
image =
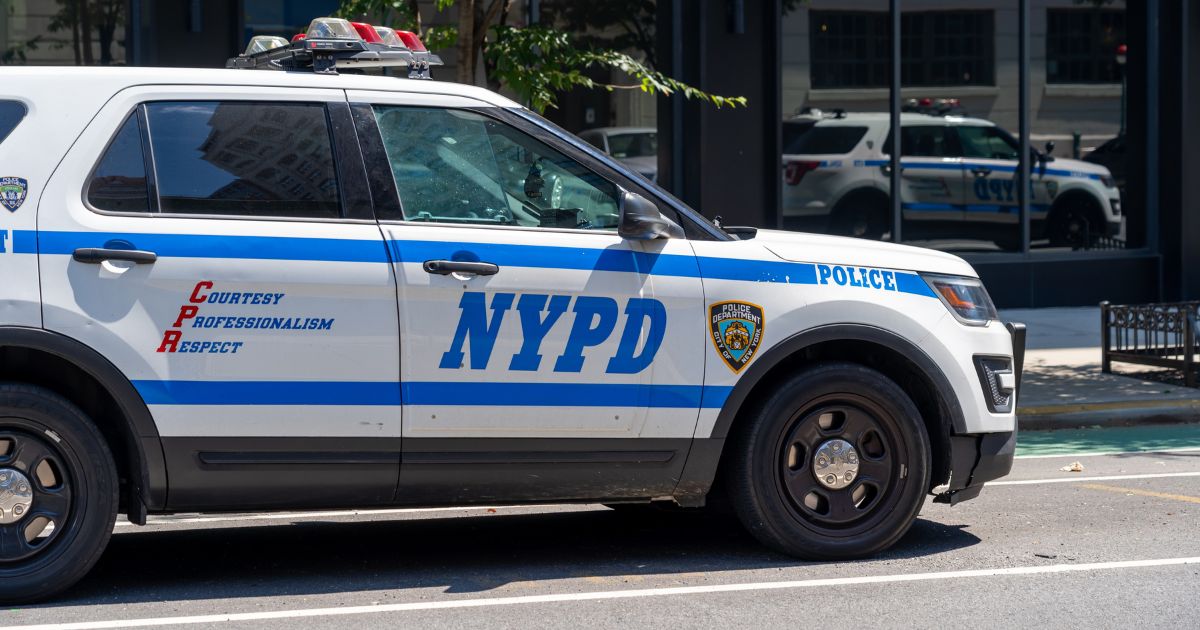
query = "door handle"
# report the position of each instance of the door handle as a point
(980, 171)
(97, 255)
(447, 267)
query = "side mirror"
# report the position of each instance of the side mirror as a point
(641, 220)
(1049, 147)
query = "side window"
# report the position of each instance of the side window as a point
(11, 113)
(243, 158)
(118, 183)
(455, 166)
(987, 142)
(926, 141)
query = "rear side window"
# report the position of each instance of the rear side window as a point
(221, 158)
(119, 182)
(243, 158)
(11, 113)
(826, 139)
(926, 141)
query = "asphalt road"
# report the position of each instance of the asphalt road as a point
(1115, 545)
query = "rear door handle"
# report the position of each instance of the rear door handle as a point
(447, 267)
(980, 171)
(97, 255)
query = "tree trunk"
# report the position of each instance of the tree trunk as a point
(85, 29)
(466, 41)
(74, 9)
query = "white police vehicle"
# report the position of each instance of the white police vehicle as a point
(235, 290)
(958, 178)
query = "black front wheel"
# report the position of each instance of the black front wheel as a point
(58, 493)
(833, 464)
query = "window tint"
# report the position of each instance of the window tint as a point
(926, 141)
(987, 142)
(826, 139)
(11, 113)
(119, 180)
(456, 166)
(243, 158)
(627, 145)
(793, 130)
(593, 139)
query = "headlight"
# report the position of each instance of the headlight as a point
(965, 297)
(1108, 181)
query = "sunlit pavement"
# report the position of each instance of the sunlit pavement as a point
(1112, 545)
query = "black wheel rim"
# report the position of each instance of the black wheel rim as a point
(41, 463)
(882, 460)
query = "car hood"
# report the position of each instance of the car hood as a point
(1075, 166)
(841, 250)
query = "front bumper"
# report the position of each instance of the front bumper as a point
(978, 458)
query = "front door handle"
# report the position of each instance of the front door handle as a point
(980, 171)
(447, 267)
(97, 255)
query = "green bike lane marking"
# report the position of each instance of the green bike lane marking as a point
(1097, 441)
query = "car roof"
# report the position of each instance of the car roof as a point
(122, 77)
(848, 119)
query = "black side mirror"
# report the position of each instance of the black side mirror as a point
(1049, 147)
(641, 220)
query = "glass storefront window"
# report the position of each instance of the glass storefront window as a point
(960, 188)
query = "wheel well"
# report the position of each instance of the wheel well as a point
(1077, 197)
(892, 364)
(57, 374)
(867, 195)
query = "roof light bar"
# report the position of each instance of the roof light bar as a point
(332, 45)
(260, 43)
(389, 37)
(366, 32)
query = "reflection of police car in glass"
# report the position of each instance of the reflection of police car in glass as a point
(958, 180)
(635, 147)
(237, 290)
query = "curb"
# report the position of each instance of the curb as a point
(1109, 414)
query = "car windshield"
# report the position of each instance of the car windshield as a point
(630, 145)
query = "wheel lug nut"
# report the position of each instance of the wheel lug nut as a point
(19, 510)
(849, 475)
(23, 488)
(830, 479)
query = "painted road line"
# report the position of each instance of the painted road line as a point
(1031, 482)
(1143, 493)
(287, 516)
(610, 595)
(1069, 455)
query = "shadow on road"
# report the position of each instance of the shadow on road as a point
(455, 555)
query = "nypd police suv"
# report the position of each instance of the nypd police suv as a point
(236, 290)
(958, 181)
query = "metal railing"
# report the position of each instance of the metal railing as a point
(1160, 335)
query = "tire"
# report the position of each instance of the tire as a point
(50, 448)
(1075, 222)
(772, 481)
(861, 216)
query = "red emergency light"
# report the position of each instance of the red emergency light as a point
(795, 171)
(411, 40)
(297, 37)
(367, 32)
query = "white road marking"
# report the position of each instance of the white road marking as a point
(607, 595)
(1030, 482)
(1101, 453)
(287, 516)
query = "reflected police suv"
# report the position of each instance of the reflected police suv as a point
(236, 290)
(958, 178)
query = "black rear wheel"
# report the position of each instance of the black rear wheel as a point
(1075, 222)
(833, 464)
(58, 493)
(861, 216)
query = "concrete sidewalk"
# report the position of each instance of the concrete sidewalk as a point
(1062, 385)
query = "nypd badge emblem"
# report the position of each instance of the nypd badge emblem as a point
(736, 329)
(12, 192)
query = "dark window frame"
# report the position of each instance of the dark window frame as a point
(936, 49)
(1076, 52)
(6, 129)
